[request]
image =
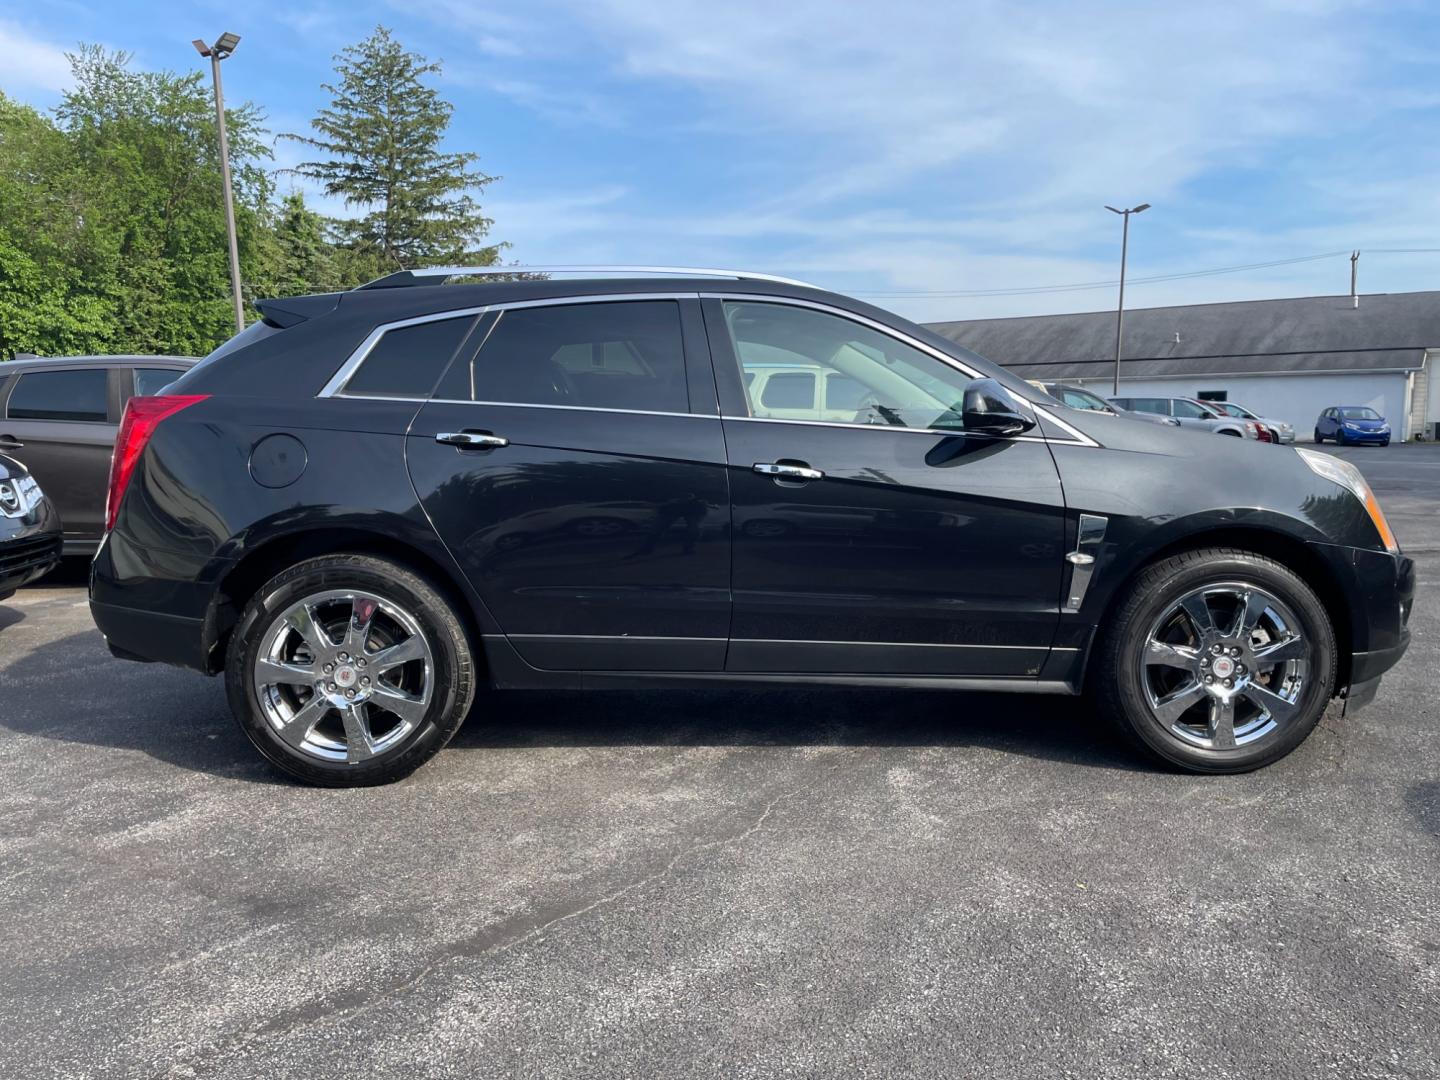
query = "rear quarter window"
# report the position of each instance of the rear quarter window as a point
(407, 361)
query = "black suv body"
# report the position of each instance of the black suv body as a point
(372, 503)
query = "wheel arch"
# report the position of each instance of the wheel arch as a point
(1288, 550)
(258, 565)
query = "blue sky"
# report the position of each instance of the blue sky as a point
(899, 148)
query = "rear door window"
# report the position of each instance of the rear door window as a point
(76, 395)
(1190, 411)
(152, 381)
(625, 355)
(1158, 406)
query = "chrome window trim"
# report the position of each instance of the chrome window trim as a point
(568, 408)
(336, 386)
(1080, 438)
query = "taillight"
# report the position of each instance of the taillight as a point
(142, 417)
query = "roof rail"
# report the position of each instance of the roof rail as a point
(403, 278)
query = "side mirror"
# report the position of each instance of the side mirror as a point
(990, 409)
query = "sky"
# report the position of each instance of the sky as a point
(947, 160)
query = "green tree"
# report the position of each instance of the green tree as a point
(112, 228)
(381, 136)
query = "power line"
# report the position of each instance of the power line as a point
(1087, 285)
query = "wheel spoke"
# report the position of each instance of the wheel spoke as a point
(406, 706)
(1169, 708)
(412, 648)
(1279, 708)
(1198, 609)
(1292, 648)
(1246, 619)
(357, 630)
(302, 620)
(271, 672)
(1222, 723)
(1163, 654)
(297, 729)
(358, 743)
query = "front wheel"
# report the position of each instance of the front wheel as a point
(349, 670)
(1217, 661)
(1318, 437)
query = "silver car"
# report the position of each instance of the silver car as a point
(1282, 432)
(1196, 415)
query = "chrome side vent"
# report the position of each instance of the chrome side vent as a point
(1082, 559)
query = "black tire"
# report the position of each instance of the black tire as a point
(1116, 682)
(1385, 443)
(452, 681)
(1318, 437)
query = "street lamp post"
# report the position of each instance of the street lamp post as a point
(1120, 310)
(222, 48)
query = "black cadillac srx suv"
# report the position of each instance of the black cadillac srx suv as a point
(371, 505)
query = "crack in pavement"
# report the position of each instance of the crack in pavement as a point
(491, 941)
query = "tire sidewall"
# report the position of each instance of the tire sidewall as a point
(1315, 625)
(449, 701)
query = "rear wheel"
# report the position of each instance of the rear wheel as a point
(349, 670)
(1217, 661)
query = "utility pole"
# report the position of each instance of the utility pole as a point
(1354, 279)
(222, 48)
(1120, 310)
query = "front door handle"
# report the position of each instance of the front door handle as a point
(783, 471)
(9, 442)
(472, 440)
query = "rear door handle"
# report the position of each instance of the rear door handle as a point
(9, 442)
(782, 471)
(472, 440)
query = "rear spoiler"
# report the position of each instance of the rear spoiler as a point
(293, 310)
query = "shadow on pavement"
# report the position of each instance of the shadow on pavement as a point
(1040, 726)
(71, 691)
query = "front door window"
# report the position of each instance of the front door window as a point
(868, 377)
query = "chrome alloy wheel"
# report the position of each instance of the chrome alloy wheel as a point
(1225, 665)
(343, 675)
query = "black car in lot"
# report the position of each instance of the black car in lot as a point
(59, 415)
(370, 505)
(29, 529)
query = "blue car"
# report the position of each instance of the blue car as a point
(1348, 424)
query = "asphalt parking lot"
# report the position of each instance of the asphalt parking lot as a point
(714, 884)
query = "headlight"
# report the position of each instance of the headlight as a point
(1348, 476)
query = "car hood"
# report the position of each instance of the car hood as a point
(1365, 425)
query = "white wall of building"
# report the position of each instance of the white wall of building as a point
(1296, 398)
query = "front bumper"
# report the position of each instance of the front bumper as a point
(29, 546)
(1380, 607)
(1364, 436)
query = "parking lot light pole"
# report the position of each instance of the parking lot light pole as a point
(1120, 310)
(222, 48)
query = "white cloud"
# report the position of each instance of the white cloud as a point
(30, 66)
(920, 146)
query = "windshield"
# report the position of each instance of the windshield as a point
(1358, 412)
